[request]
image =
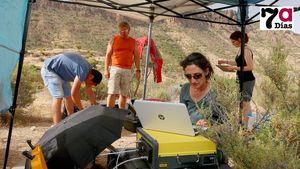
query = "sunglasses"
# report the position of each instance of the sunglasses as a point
(195, 76)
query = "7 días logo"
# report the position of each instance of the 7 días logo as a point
(276, 18)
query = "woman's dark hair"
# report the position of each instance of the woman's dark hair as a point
(199, 60)
(238, 34)
(97, 76)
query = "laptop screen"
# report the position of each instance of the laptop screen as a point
(164, 116)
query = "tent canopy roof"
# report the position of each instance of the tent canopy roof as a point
(160, 9)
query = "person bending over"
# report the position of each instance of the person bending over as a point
(57, 73)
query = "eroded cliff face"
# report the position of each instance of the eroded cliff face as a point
(58, 26)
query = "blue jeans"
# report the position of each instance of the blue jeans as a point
(57, 87)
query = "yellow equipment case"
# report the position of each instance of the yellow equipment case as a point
(168, 150)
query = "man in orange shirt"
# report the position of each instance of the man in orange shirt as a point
(120, 55)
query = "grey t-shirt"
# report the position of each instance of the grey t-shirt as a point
(68, 66)
(207, 103)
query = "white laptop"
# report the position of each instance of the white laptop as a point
(164, 116)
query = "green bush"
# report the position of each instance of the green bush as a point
(100, 92)
(275, 143)
(93, 62)
(31, 82)
(227, 90)
(285, 93)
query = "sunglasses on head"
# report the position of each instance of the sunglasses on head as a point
(195, 76)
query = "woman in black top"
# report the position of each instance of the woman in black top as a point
(247, 78)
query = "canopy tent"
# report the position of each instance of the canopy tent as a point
(10, 46)
(187, 9)
(13, 32)
(160, 9)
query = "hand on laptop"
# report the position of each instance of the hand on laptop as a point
(201, 123)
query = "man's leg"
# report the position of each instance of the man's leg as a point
(54, 84)
(111, 99)
(69, 105)
(56, 110)
(125, 84)
(122, 101)
(67, 97)
(113, 87)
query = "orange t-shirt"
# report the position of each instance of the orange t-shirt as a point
(123, 50)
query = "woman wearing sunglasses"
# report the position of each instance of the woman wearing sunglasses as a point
(247, 78)
(197, 94)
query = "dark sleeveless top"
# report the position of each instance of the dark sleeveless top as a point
(247, 75)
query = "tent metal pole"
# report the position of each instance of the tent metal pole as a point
(147, 55)
(243, 5)
(20, 65)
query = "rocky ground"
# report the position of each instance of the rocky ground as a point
(34, 132)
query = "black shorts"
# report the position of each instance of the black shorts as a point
(247, 92)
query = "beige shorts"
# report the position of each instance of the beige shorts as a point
(119, 81)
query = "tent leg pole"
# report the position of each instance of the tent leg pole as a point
(243, 28)
(20, 65)
(147, 56)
